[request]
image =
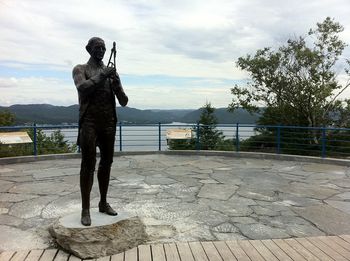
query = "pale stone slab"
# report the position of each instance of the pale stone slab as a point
(341, 205)
(32, 208)
(217, 191)
(260, 231)
(326, 218)
(13, 197)
(16, 239)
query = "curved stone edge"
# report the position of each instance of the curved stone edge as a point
(254, 155)
(95, 242)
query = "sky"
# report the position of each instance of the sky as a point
(170, 54)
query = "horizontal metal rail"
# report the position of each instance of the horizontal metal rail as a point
(320, 141)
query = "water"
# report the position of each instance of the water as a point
(146, 138)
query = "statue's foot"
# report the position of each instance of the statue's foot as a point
(106, 208)
(85, 217)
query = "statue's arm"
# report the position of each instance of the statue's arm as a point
(84, 86)
(119, 91)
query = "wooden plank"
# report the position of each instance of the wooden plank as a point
(131, 254)
(20, 255)
(144, 253)
(211, 251)
(300, 249)
(346, 238)
(118, 257)
(263, 250)
(314, 250)
(237, 250)
(345, 253)
(341, 242)
(5, 256)
(73, 258)
(61, 256)
(278, 252)
(158, 253)
(34, 255)
(48, 255)
(250, 250)
(105, 258)
(288, 250)
(198, 251)
(184, 251)
(325, 248)
(224, 251)
(171, 252)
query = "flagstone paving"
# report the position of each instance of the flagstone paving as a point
(182, 198)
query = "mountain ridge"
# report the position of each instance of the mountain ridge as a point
(52, 114)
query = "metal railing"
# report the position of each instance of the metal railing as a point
(315, 141)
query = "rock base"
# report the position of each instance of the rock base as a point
(107, 235)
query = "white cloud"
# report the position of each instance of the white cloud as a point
(159, 37)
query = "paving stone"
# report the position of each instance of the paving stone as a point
(156, 180)
(342, 183)
(217, 191)
(296, 230)
(342, 196)
(229, 236)
(13, 197)
(257, 193)
(309, 190)
(341, 205)
(5, 185)
(326, 218)
(42, 188)
(4, 210)
(10, 220)
(260, 231)
(210, 217)
(243, 220)
(55, 172)
(31, 208)
(318, 167)
(298, 201)
(17, 239)
(264, 211)
(225, 228)
(208, 181)
(131, 178)
(6, 170)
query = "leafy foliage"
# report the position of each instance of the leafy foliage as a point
(6, 118)
(209, 137)
(297, 83)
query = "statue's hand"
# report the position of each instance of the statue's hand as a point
(108, 72)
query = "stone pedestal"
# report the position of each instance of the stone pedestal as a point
(107, 235)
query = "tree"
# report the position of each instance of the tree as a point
(209, 136)
(6, 118)
(297, 83)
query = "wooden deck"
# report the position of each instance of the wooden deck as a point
(311, 248)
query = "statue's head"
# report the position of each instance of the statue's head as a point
(96, 48)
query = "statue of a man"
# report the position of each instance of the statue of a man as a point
(97, 85)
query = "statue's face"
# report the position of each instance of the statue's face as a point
(98, 50)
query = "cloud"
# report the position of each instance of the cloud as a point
(199, 39)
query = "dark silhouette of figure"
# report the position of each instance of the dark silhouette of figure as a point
(97, 87)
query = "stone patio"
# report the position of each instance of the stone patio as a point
(182, 198)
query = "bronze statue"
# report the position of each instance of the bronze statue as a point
(97, 84)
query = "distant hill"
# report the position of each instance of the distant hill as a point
(50, 114)
(223, 116)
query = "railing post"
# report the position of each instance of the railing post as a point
(197, 137)
(35, 149)
(120, 137)
(159, 137)
(278, 139)
(237, 137)
(323, 142)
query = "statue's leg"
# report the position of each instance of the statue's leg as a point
(88, 162)
(106, 145)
